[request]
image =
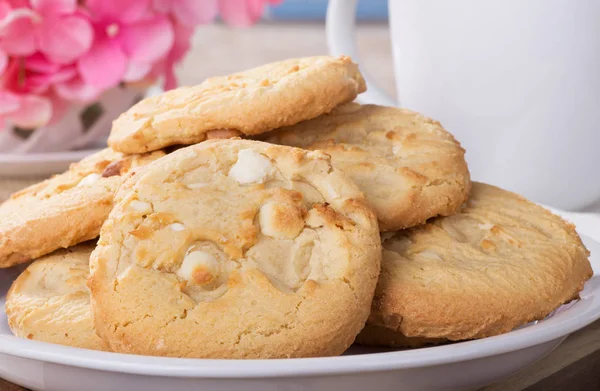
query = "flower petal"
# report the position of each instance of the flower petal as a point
(182, 42)
(5, 9)
(119, 10)
(136, 71)
(33, 112)
(256, 8)
(19, 3)
(8, 102)
(3, 61)
(9, 80)
(195, 12)
(39, 83)
(54, 7)
(39, 63)
(104, 66)
(65, 39)
(166, 68)
(77, 90)
(170, 77)
(162, 6)
(241, 13)
(147, 41)
(17, 32)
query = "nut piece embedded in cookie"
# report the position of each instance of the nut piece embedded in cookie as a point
(251, 167)
(199, 268)
(89, 179)
(140, 206)
(280, 221)
(250, 266)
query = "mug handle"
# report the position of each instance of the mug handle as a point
(340, 28)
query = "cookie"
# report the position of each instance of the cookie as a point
(236, 249)
(64, 210)
(250, 102)
(498, 264)
(50, 302)
(408, 166)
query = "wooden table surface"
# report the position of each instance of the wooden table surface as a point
(574, 365)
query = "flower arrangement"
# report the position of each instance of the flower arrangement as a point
(57, 52)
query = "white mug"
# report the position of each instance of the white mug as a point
(516, 81)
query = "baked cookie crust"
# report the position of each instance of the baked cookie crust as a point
(409, 167)
(236, 249)
(500, 263)
(246, 103)
(64, 210)
(50, 302)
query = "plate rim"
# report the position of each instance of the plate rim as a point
(45, 157)
(586, 311)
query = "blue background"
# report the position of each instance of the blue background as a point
(315, 10)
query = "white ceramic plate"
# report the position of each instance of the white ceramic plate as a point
(459, 366)
(30, 165)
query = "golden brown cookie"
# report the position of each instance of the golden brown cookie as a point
(250, 102)
(64, 210)
(50, 302)
(408, 166)
(498, 264)
(236, 249)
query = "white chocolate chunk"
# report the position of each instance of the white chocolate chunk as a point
(89, 180)
(396, 149)
(251, 167)
(199, 267)
(177, 227)
(140, 206)
(486, 226)
(280, 221)
(265, 219)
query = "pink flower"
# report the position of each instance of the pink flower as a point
(189, 12)
(55, 52)
(34, 75)
(166, 67)
(3, 61)
(129, 40)
(54, 27)
(26, 94)
(26, 111)
(243, 13)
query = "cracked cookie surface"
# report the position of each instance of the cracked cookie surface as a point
(64, 210)
(50, 302)
(250, 102)
(236, 249)
(498, 264)
(408, 166)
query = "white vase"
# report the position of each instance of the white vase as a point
(84, 126)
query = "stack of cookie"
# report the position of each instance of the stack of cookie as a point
(263, 215)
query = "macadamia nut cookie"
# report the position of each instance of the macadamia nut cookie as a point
(64, 210)
(236, 249)
(50, 302)
(409, 168)
(246, 103)
(498, 264)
